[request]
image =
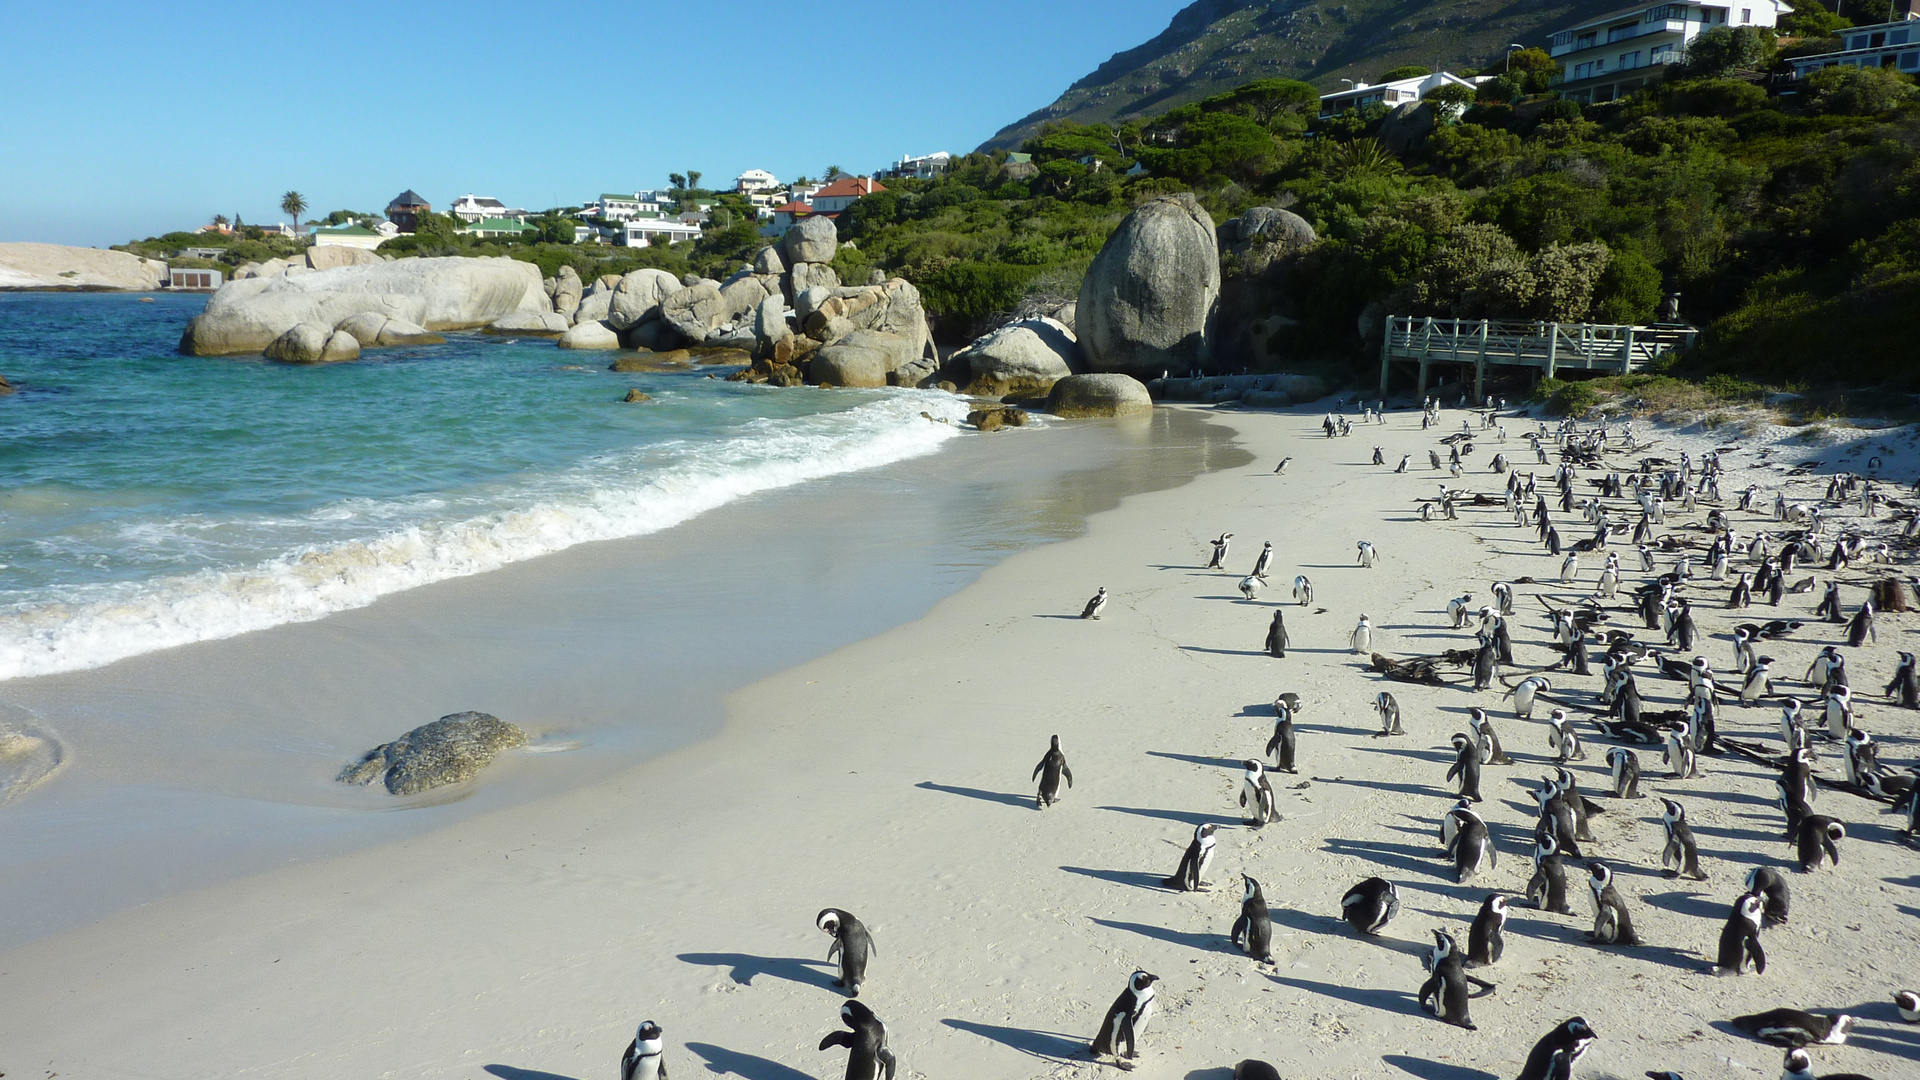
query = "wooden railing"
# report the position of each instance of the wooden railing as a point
(1544, 345)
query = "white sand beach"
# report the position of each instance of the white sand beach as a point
(891, 778)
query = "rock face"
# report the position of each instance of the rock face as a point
(435, 294)
(1025, 357)
(1147, 301)
(313, 343)
(595, 303)
(55, 266)
(5, 386)
(1406, 127)
(638, 297)
(328, 256)
(590, 335)
(1104, 394)
(566, 291)
(694, 311)
(811, 240)
(768, 261)
(450, 750)
(530, 324)
(374, 330)
(860, 359)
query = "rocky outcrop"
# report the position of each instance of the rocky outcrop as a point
(567, 290)
(1101, 394)
(57, 267)
(677, 360)
(595, 303)
(860, 359)
(997, 417)
(636, 395)
(451, 750)
(768, 261)
(1263, 391)
(1263, 234)
(435, 294)
(694, 311)
(5, 386)
(530, 324)
(1406, 127)
(590, 335)
(374, 330)
(313, 343)
(1025, 357)
(811, 240)
(812, 276)
(638, 297)
(328, 256)
(1147, 302)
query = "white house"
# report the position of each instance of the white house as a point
(640, 231)
(622, 207)
(471, 208)
(842, 193)
(754, 180)
(1618, 53)
(924, 167)
(351, 234)
(1391, 94)
(1887, 45)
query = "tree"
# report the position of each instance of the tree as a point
(293, 204)
(1811, 19)
(219, 219)
(1448, 101)
(1265, 100)
(1859, 91)
(833, 172)
(678, 181)
(1408, 71)
(1721, 52)
(693, 179)
(1534, 66)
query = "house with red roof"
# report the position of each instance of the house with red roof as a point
(843, 193)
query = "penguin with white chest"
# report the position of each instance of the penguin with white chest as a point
(1471, 845)
(1562, 739)
(1363, 636)
(1818, 837)
(1265, 560)
(1466, 766)
(1253, 930)
(1126, 1019)
(1553, 1057)
(1096, 605)
(1611, 923)
(645, 1057)
(869, 1058)
(1192, 873)
(1445, 993)
(1219, 560)
(1280, 747)
(1256, 795)
(853, 944)
(1682, 853)
(1740, 939)
(1771, 886)
(1051, 770)
(1389, 710)
(1547, 889)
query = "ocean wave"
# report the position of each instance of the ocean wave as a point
(408, 543)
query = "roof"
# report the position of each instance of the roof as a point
(1620, 13)
(854, 186)
(494, 224)
(1019, 159)
(481, 200)
(351, 228)
(408, 197)
(794, 207)
(626, 196)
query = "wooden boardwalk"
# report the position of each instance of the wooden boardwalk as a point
(1543, 346)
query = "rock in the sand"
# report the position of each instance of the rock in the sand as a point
(436, 294)
(768, 261)
(861, 359)
(1146, 304)
(1025, 357)
(637, 298)
(313, 343)
(530, 324)
(993, 419)
(811, 240)
(56, 266)
(1102, 394)
(567, 290)
(635, 394)
(590, 335)
(450, 750)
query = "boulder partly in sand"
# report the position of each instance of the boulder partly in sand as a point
(1147, 303)
(450, 750)
(1082, 396)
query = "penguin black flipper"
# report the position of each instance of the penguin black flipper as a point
(837, 1038)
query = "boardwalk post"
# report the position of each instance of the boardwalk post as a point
(1553, 348)
(1386, 350)
(1480, 366)
(1626, 354)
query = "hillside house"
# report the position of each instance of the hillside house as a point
(754, 180)
(501, 226)
(1885, 45)
(472, 208)
(352, 234)
(622, 207)
(405, 210)
(843, 193)
(1618, 53)
(1391, 94)
(924, 167)
(640, 231)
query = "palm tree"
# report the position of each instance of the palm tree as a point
(833, 172)
(693, 179)
(219, 220)
(291, 203)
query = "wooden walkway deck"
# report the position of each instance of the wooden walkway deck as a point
(1546, 347)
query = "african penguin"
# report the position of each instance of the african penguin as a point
(644, 1058)
(1470, 845)
(1192, 873)
(1052, 767)
(1466, 766)
(1681, 852)
(1771, 886)
(1740, 939)
(1219, 559)
(1302, 590)
(1252, 931)
(1265, 560)
(1798, 1065)
(1255, 1070)
(1126, 1018)
(852, 942)
(1486, 940)
(1795, 1027)
(1276, 643)
(869, 1058)
(1445, 993)
(1280, 747)
(1256, 795)
(1363, 636)
(1370, 905)
(1367, 554)
(1096, 605)
(1908, 1003)
(1568, 1041)
(1817, 838)
(1562, 739)
(1611, 923)
(1389, 710)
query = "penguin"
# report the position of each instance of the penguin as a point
(1363, 636)
(1192, 874)
(1793, 1027)
(1547, 889)
(1626, 773)
(1503, 597)
(1466, 766)
(1798, 1065)
(1367, 554)
(1218, 562)
(1379, 455)
(1126, 1019)
(1839, 711)
(854, 944)
(1829, 606)
(1611, 924)
(1457, 609)
(1284, 462)
(644, 1058)
(1302, 591)
(1096, 605)
(1404, 459)
(1471, 845)
(1249, 587)
(1682, 851)
(1860, 627)
(1570, 567)
(869, 1058)
(1822, 667)
(1818, 834)
(1740, 939)
(1566, 1043)
(1253, 931)
(1389, 710)
(1256, 795)
(1758, 682)
(1562, 739)
(1370, 905)
(1280, 747)
(1771, 886)
(1276, 644)
(1908, 1003)
(1052, 767)
(1445, 993)
(1452, 820)
(1255, 1070)
(1265, 560)
(1487, 940)
(1525, 692)
(1679, 755)
(1490, 751)
(1557, 819)
(1905, 686)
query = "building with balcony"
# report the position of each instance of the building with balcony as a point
(640, 231)
(1615, 54)
(754, 180)
(1886, 45)
(405, 210)
(1391, 94)
(472, 208)
(923, 167)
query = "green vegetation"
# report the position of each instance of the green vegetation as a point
(293, 204)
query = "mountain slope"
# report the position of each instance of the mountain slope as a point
(1215, 45)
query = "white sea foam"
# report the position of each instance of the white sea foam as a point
(402, 544)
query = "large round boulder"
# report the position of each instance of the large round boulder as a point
(313, 343)
(567, 290)
(1147, 301)
(862, 358)
(695, 311)
(450, 750)
(530, 324)
(590, 335)
(595, 303)
(811, 240)
(1101, 394)
(1025, 357)
(638, 297)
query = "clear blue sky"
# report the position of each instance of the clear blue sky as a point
(124, 120)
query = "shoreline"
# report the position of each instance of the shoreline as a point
(889, 777)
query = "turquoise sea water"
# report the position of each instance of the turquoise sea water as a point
(149, 499)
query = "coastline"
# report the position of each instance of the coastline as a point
(889, 777)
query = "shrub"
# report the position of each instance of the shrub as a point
(1860, 91)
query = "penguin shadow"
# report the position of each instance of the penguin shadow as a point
(738, 1063)
(1047, 1045)
(1889, 1035)
(1724, 833)
(1426, 790)
(1663, 955)
(1203, 942)
(1184, 817)
(1230, 652)
(1076, 618)
(1136, 878)
(1438, 757)
(1434, 1070)
(746, 966)
(1684, 903)
(508, 1072)
(1191, 759)
(1007, 798)
(1219, 1073)
(1392, 1001)
(1417, 860)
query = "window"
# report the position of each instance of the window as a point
(1746, 15)
(1910, 61)
(1874, 41)
(1586, 40)
(1662, 54)
(1711, 16)
(1629, 61)
(1621, 32)
(1583, 71)
(1898, 37)
(1857, 42)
